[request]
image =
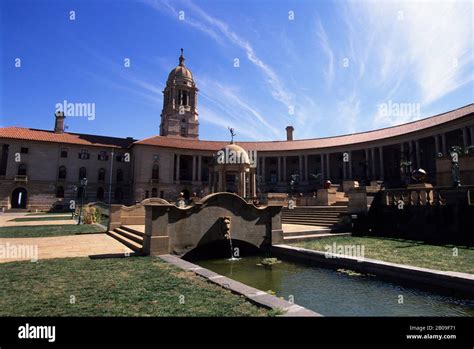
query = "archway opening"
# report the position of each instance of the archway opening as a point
(19, 197)
(221, 249)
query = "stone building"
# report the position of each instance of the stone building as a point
(41, 169)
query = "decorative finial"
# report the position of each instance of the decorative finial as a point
(181, 58)
(232, 135)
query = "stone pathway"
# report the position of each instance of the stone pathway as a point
(6, 220)
(60, 247)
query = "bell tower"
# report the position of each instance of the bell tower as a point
(179, 117)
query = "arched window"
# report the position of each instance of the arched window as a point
(82, 173)
(22, 170)
(100, 193)
(101, 177)
(60, 192)
(155, 172)
(119, 175)
(154, 193)
(62, 172)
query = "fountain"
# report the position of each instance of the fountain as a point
(226, 224)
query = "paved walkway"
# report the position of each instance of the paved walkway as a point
(291, 228)
(6, 220)
(60, 247)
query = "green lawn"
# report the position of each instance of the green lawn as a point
(39, 219)
(48, 230)
(134, 286)
(407, 252)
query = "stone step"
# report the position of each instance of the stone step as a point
(318, 215)
(129, 235)
(316, 224)
(131, 244)
(132, 230)
(313, 221)
(299, 238)
(304, 233)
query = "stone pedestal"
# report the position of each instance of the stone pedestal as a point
(348, 185)
(326, 197)
(357, 200)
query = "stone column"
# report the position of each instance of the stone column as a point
(263, 170)
(417, 149)
(350, 165)
(279, 169)
(372, 151)
(328, 167)
(436, 139)
(177, 167)
(284, 169)
(344, 176)
(254, 185)
(306, 171)
(193, 175)
(381, 163)
(220, 183)
(367, 162)
(199, 167)
(464, 137)
(410, 155)
(322, 167)
(300, 163)
(444, 144)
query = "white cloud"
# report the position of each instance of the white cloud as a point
(324, 42)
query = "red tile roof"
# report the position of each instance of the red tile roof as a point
(30, 134)
(183, 143)
(362, 137)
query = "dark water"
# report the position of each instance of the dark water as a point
(334, 293)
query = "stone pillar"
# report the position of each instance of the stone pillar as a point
(328, 167)
(436, 139)
(344, 176)
(372, 151)
(284, 169)
(263, 170)
(410, 155)
(381, 163)
(306, 171)
(350, 165)
(177, 167)
(220, 183)
(443, 144)
(156, 239)
(367, 162)
(465, 140)
(418, 155)
(322, 167)
(254, 185)
(300, 162)
(279, 169)
(199, 168)
(193, 176)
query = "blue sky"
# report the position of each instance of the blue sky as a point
(326, 70)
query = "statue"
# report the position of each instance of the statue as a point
(232, 134)
(226, 223)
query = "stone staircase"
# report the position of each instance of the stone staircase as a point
(321, 216)
(130, 235)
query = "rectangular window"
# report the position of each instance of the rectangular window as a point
(273, 177)
(103, 156)
(64, 152)
(84, 154)
(23, 150)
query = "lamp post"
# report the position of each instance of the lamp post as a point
(83, 187)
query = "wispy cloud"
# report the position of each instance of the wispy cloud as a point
(324, 43)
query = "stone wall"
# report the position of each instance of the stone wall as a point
(169, 229)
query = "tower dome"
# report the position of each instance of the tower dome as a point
(181, 73)
(179, 117)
